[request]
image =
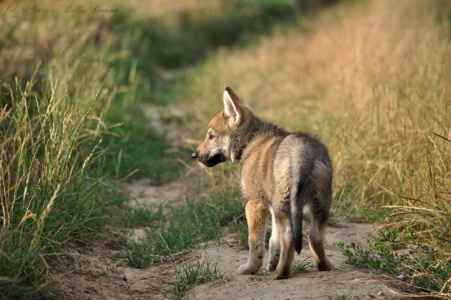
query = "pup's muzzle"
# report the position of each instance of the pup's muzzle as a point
(194, 155)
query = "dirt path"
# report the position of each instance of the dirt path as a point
(99, 272)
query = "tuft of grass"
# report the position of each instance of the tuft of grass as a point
(258, 276)
(142, 216)
(301, 266)
(137, 254)
(339, 297)
(190, 275)
(239, 228)
(197, 221)
(385, 258)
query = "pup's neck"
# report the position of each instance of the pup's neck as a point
(244, 135)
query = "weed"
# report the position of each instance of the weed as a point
(258, 276)
(301, 266)
(190, 275)
(384, 258)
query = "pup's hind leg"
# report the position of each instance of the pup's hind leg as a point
(274, 244)
(286, 257)
(319, 216)
(256, 216)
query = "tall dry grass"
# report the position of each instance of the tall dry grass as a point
(369, 78)
(372, 79)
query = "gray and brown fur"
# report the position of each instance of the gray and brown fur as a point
(280, 173)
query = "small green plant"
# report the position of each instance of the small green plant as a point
(300, 266)
(190, 275)
(382, 256)
(258, 276)
(339, 297)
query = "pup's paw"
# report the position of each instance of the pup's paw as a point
(277, 274)
(246, 269)
(327, 266)
(271, 266)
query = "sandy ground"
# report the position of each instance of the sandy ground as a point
(99, 274)
(309, 284)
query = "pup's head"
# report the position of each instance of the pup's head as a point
(217, 146)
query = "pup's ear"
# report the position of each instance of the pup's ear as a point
(231, 107)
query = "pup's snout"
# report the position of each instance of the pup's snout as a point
(194, 155)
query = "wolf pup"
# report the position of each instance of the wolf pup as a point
(280, 172)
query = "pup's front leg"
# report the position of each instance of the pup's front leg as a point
(256, 216)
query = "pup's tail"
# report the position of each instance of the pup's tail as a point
(301, 179)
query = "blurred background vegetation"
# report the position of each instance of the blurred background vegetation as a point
(370, 78)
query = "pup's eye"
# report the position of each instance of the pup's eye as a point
(211, 136)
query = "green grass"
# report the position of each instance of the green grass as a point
(239, 228)
(138, 151)
(142, 216)
(340, 297)
(258, 276)
(197, 221)
(50, 189)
